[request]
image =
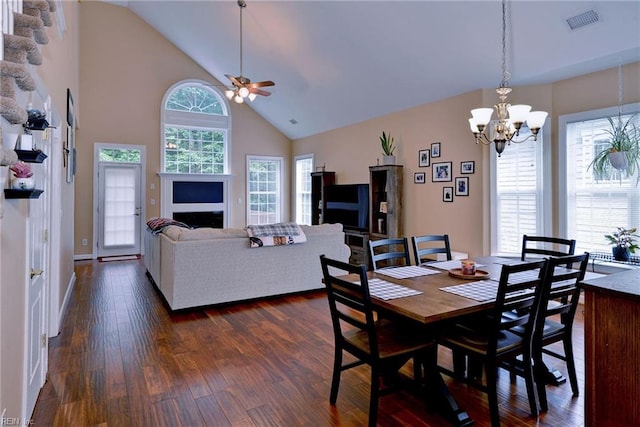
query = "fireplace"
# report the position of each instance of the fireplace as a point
(196, 200)
(201, 219)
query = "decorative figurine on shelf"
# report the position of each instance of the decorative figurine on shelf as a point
(22, 176)
(37, 120)
(624, 241)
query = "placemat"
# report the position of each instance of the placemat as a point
(386, 290)
(406, 271)
(483, 290)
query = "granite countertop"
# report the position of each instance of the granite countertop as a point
(626, 284)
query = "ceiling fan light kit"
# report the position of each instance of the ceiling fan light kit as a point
(511, 118)
(242, 86)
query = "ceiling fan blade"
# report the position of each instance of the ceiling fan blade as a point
(234, 80)
(261, 84)
(259, 91)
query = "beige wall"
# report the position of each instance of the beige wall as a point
(351, 150)
(58, 72)
(126, 68)
(61, 70)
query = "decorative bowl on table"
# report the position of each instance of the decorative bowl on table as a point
(479, 274)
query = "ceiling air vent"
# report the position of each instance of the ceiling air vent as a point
(582, 20)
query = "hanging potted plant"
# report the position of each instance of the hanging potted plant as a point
(386, 142)
(622, 151)
(624, 243)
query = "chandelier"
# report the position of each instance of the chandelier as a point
(510, 117)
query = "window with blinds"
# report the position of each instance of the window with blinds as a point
(264, 189)
(595, 207)
(303, 169)
(517, 206)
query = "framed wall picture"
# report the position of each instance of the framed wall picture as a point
(435, 149)
(70, 152)
(441, 172)
(447, 194)
(462, 186)
(424, 158)
(69, 108)
(419, 178)
(468, 167)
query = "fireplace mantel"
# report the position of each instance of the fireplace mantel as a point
(198, 201)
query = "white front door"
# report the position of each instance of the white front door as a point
(119, 209)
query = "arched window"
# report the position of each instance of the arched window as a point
(195, 129)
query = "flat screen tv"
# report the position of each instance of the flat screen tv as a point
(197, 192)
(348, 204)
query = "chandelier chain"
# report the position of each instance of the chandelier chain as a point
(620, 89)
(242, 5)
(505, 74)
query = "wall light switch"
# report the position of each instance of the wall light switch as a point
(152, 202)
(152, 186)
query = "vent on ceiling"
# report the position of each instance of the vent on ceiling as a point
(582, 20)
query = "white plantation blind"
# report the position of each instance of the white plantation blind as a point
(596, 207)
(517, 194)
(303, 167)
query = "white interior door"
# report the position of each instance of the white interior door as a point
(119, 210)
(36, 344)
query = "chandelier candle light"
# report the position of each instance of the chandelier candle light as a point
(510, 117)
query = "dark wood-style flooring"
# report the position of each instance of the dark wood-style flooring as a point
(121, 359)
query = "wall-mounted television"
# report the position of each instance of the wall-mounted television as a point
(348, 204)
(197, 192)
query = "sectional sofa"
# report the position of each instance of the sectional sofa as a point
(206, 266)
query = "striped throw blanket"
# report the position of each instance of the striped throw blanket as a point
(284, 233)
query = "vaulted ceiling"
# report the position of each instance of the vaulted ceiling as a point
(336, 63)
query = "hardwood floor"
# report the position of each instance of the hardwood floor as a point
(122, 359)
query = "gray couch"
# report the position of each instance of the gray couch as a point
(206, 266)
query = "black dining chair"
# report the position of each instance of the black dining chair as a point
(425, 247)
(384, 345)
(389, 252)
(490, 340)
(545, 246)
(555, 321)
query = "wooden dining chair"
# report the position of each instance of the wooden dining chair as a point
(555, 321)
(384, 345)
(389, 252)
(424, 247)
(544, 246)
(490, 340)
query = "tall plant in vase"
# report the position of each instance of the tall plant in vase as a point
(386, 142)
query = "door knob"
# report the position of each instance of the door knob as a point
(35, 273)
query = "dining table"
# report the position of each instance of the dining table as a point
(435, 294)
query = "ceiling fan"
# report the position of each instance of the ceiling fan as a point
(242, 86)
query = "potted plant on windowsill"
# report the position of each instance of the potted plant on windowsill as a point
(622, 152)
(624, 241)
(386, 142)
